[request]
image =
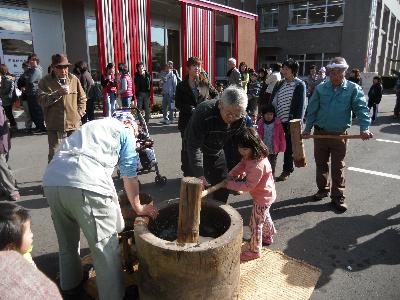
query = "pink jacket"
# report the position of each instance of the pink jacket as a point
(279, 141)
(259, 180)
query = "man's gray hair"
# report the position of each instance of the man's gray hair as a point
(234, 96)
(338, 62)
(232, 60)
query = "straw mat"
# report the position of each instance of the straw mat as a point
(277, 276)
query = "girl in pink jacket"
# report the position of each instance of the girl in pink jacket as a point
(254, 174)
(270, 130)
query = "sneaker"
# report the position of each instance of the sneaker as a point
(338, 203)
(249, 255)
(284, 176)
(14, 196)
(267, 241)
(164, 121)
(321, 194)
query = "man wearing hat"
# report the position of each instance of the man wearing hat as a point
(329, 112)
(63, 100)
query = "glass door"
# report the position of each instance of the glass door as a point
(158, 59)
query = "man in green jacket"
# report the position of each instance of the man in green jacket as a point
(329, 112)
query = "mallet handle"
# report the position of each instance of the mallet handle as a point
(212, 189)
(333, 136)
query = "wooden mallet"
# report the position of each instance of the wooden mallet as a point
(299, 156)
(190, 206)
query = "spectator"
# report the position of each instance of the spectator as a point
(32, 77)
(187, 97)
(375, 96)
(21, 86)
(142, 90)
(80, 191)
(312, 80)
(271, 133)
(7, 93)
(253, 93)
(396, 111)
(8, 183)
(262, 75)
(343, 97)
(244, 75)
(212, 124)
(355, 76)
(321, 75)
(82, 72)
(168, 90)
(64, 102)
(15, 230)
(109, 83)
(234, 76)
(175, 71)
(126, 89)
(288, 97)
(272, 79)
(220, 88)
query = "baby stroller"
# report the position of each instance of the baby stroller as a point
(144, 147)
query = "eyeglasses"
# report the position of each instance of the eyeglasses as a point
(232, 115)
(61, 67)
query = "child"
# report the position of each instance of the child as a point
(15, 230)
(254, 174)
(253, 92)
(220, 88)
(375, 96)
(271, 132)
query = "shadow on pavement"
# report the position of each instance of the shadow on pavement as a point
(162, 193)
(294, 207)
(38, 203)
(48, 263)
(392, 129)
(349, 243)
(382, 120)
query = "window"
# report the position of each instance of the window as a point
(307, 60)
(93, 47)
(269, 17)
(15, 19)
(316, 12)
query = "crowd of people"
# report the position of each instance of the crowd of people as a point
(231, 132)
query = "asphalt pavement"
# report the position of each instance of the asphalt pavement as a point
(357, 251)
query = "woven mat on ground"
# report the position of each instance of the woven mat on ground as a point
(277, 276)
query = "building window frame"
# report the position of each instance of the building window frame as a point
(305, 9)
(271, 11)
(307, 59)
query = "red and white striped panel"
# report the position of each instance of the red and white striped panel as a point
(200, 36)
(123, 32)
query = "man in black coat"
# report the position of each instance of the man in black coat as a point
(211, 125)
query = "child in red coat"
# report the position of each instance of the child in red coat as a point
(271, 132)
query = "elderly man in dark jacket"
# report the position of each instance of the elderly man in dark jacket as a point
(288, 97)
(189, 93)
(211, 125)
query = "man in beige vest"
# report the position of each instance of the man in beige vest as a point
(63, 100)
